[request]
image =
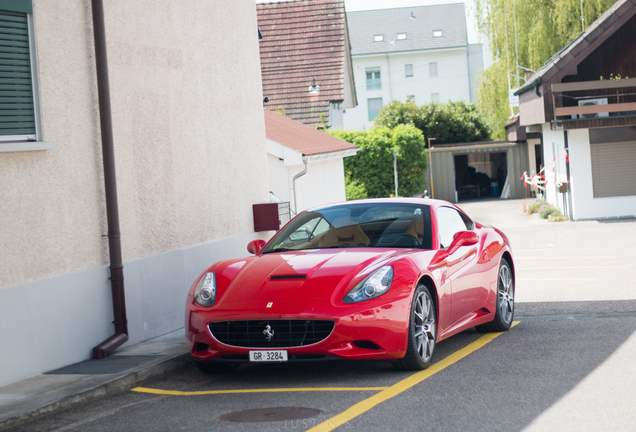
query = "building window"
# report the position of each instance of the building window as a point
(408, 69)
(437, 33)
(18, 102)
(373, 79)
(378, 38)
(401, 36)
(432, 69)
(375, 105)
(435, 97)
(410, 98)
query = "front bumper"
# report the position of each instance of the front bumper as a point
(371, 330)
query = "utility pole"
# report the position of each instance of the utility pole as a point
(430, 166)
(395, 174)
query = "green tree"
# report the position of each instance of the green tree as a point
(492, 98)
(448, 123)
(370, 172)
(543, 27)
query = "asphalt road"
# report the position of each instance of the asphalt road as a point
(566, 365)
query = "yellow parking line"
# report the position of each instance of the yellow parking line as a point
(275, 390)
(556, 249)
(553, 279)
(405, 384)
(517, 258)
(571, 268)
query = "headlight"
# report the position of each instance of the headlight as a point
(205, 292)
(374, 285)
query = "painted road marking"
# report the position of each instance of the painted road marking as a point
(274, 390)
(570, 268)
(405, 384)
(556, 249)
(554, 279)
(565, 257)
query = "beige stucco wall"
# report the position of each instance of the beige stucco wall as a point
(188, 131)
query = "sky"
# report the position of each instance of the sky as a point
(358, 5)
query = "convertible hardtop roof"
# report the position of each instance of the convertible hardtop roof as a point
(423, 201)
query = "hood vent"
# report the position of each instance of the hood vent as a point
(288, 277)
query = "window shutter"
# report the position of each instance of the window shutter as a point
(24, 6)
(16, 90)
(613, 171)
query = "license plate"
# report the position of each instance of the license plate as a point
(268, 356)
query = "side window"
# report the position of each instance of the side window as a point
(450, 222)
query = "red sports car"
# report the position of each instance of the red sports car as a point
(371, 279)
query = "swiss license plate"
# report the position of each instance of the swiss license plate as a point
(268, 356)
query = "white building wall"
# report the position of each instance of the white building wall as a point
(323, 184)
(278, 178)
(451, 83)
(584, 203)
(188, 172)
(554, 159)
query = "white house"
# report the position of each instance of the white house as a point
(305, 165)
(185, 81)
(418, 53)
(587, 116)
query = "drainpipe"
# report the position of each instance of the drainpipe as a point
(110, 185)
(296, 177)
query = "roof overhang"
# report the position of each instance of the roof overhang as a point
(329, 156)
(474, 148)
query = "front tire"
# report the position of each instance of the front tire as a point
(505, 301)
(422, 332)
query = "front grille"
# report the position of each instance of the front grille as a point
(286, 333)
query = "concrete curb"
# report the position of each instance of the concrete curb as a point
(113, 385)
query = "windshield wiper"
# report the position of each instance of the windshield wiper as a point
(277, 250)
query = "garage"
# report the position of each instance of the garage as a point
(476, 171)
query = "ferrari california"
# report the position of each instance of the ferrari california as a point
(381, 279)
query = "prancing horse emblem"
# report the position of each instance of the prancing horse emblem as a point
(268, 332)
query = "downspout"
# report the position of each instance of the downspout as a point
(296, 177)
(110, 185)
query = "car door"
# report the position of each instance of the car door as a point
(466, 284)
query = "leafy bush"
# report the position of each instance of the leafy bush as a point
(546, 210)
(371, 169)
(354, 190)
(533, 208)
(448, 123)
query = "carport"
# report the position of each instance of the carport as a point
(481, 170)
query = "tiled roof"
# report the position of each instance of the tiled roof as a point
(302, 138)
(303, 40)
(417, 22)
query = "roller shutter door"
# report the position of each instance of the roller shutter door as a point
(614, 169)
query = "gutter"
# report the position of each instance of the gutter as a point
(532, 84)
(110, 186)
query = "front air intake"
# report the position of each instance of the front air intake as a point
(271, 333)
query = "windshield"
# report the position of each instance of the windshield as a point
(382, 225)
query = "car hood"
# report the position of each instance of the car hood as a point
(305, 274)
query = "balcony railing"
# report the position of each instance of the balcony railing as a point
(605, 98)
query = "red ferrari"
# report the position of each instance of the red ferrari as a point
(371, 279)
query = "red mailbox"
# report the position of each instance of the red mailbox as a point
(270, 216)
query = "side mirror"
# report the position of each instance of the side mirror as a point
(255, 246)
(463, 238)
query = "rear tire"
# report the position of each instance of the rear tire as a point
(505, 301)
(422, 332)
(216, 368)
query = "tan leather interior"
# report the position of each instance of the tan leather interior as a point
(417, 228)
(348, 234)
